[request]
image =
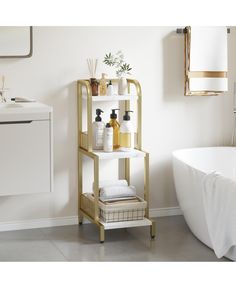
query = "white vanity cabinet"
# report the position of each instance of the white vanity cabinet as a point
(26, 164)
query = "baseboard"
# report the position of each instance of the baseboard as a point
(38, 223)
(163, 212)
(73, 220)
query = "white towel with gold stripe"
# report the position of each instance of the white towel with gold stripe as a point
(208, 59)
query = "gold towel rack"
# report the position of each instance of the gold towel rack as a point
(184, 30)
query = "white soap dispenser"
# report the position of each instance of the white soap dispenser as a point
(108, 138)
(126, 133)
(110, 90)
(98, 131)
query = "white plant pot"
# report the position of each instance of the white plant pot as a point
(122, 86)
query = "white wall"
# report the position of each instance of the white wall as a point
(170, 120)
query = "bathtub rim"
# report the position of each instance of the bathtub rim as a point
(205, 171)
(231, 254)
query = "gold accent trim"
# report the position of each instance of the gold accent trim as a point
(207, 74)
(203, 93)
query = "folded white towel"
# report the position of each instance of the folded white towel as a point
(208, 84)
(111, 192)
(110, 183)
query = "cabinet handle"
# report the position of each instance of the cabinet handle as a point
(16, 122)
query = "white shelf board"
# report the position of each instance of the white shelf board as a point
(120, 154)
(126, 224)
(112, 98)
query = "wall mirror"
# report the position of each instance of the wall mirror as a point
(16, 41)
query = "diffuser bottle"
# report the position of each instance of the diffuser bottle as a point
(94, 86)
(126, 133)
(108, 138)
(103, 85)
(98, 131)
(116, 128)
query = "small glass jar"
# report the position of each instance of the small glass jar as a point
(94, 85)
(4, 95)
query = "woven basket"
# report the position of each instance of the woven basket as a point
(114, 212)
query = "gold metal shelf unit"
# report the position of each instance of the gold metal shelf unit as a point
(85, 149)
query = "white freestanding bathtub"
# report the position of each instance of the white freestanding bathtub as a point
(190, 166)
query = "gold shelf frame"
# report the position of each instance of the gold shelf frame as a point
(84, 83)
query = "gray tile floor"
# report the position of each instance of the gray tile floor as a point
(174, 242)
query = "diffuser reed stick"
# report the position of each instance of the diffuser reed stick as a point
(3, 82)
(92, 66)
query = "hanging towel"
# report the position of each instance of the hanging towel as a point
(111, 192)
(219, 198)
(206, 62)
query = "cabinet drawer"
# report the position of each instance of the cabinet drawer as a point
(25, 157)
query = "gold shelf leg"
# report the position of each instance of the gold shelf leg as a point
(127, 170)
(80, 184)
(80, 218)
(146, 183)
(139, 140)
(96, 188)
(127, 160)
(102, 234)
(153, 230)
(80, 156)
(89, 119)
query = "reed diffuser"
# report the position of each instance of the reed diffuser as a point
(92, 66)
(3, 90)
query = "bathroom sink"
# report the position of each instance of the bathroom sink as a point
(24, 111)
(10, 105)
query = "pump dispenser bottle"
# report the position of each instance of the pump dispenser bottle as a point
(110, 91)
(116, 129)
(98, 131)
(108, 138)
(126, 133)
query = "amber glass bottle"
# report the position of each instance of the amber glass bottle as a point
(94, 86)
(116, 129)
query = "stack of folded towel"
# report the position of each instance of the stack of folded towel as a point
(117, 190)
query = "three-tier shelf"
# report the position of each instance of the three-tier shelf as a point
(84, 93)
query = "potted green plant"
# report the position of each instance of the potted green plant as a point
(122, 69)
